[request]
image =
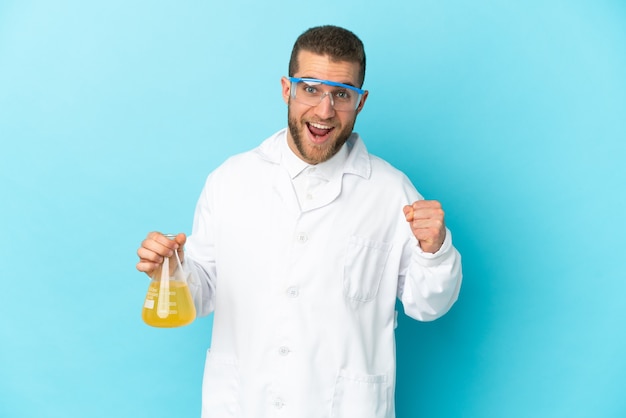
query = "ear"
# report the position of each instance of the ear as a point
(363, 99)
(286, 88)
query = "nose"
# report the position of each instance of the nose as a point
(326, 108)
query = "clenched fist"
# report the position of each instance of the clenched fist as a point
(426, 218)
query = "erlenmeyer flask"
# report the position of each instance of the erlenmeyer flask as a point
(168, 301)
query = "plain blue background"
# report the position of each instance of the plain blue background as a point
(512, 113)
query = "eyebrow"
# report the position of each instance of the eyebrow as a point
(341, 82)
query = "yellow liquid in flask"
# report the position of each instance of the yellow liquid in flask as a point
(181, 308)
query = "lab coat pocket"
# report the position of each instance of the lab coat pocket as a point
(362, 396)
(220, 386)
(363, 270)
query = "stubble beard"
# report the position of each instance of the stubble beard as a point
(316, 154)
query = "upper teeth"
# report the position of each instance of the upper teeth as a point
(318, 126)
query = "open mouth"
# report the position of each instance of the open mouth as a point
(319, 132)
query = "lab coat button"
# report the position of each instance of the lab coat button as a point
(302, 237)
(293, 292)
(278, 403)
(283, 351)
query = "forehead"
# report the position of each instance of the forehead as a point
(322, 67)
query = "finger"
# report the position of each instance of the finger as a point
(149, 255)
(168, 241)
(160, 244)
(147, 266)
(426, 204)
(425, 219)
(428, 229)
(427, 214)
(431, 230)
(428, 221)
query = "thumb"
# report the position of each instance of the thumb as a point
(408, 212)
(180, 239)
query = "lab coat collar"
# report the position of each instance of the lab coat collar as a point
(357, 161)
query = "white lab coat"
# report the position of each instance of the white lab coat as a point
(304, 301)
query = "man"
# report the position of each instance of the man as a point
(301, 247)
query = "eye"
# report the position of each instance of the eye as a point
(343, 95)
(309, 89)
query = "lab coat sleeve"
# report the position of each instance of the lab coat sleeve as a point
(429, 284)
(200, 254)
(202, 288)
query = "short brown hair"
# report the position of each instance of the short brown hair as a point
(338, 43)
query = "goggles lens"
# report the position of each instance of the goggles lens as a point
(311, 92)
